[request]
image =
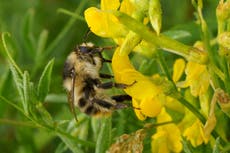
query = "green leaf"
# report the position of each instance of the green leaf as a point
(177, 34)
(61, 148)
(26, 92)
(73, 14)
(70, 143)
(104, 137)
(186, 146)
(44, 81)
(44, 115)
(18, 82)
(7, 52)
(217, 145)
(64, 33)
(42, 42)
(28, 37)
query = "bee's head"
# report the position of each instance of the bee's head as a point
(87, 48)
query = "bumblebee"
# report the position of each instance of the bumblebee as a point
(82, 81)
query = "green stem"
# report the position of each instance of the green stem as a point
(161, 41)
(163, 65)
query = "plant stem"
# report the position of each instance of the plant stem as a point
(161, 41)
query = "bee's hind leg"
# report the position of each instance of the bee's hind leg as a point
(121, 98)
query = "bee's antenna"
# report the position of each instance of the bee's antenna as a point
(71, 101)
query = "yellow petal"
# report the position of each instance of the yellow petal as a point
(125, 73)
(159, 143)
(197, 77)
(151, 107)
(104, 24)
(127, 7)
(178, 69)
(170, 133)
(196, 138)
(136, 105)
(110, 4)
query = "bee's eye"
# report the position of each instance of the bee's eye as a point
(85, 49)
(68, 71)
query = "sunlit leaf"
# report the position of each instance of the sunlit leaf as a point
(44, 81)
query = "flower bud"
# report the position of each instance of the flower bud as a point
(155, 15)
(223, 10)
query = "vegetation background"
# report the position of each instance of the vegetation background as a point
(41, 30)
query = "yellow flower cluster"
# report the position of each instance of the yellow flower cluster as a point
(148, 97)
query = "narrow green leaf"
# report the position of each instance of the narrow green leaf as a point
(44, 115)
(177, 34)
(44, 81)
(186, 146)
(28, 38)
(3, 99)
(61, 148)
(39, 55)
(104, 137)
(77, 16)
(18, 82)
(217, 145)
(61, 36)
(42, 42)
(70, 143)
(10, 59)
(26, 92)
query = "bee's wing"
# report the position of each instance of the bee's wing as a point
(71, 99)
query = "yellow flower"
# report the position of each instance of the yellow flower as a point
(195, 134)
(193, 129)
(103, 23)
(168, 137)
(178, 69)
(146, 95)
(197, 78)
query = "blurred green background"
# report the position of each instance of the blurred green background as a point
(26, 21)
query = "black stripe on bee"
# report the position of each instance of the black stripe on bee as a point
(82, 102)
(91, 110)
(89, 89)
(103, 103)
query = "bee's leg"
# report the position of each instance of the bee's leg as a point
(106, 76)
(106, 60)
(121, 98)
(109, 85)
(103, 59)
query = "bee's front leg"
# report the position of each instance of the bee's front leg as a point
(109, 85)
(106, 76)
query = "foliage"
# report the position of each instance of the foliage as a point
(177, 56)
